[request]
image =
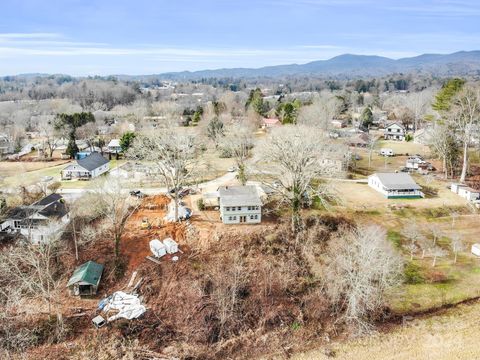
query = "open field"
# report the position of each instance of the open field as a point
(452, 335)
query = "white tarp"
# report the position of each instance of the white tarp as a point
(183, 212)
(129, 306)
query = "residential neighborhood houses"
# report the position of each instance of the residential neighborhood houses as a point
(36, 222)
(87, 168)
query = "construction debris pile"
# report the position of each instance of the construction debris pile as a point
(123, 305)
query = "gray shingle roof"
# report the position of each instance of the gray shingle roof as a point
(239, 196)
(92, 161)
(397, 181)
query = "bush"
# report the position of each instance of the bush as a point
(413, 274)
(408, 137)
(200, 204)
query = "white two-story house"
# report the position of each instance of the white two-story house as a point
(240, 205)
(394, 131)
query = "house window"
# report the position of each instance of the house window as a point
(229, 218)
(256, 217)
(239, 208)
(234, 218)
(251, 217)
(257, 207)
(227, 208)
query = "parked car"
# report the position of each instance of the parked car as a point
(138, 194)
(387, 152)
(184, 192)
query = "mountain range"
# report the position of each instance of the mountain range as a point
(348, 66)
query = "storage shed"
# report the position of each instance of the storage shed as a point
(469, 193)
(476, 249)
(85, 279)
(171, 245)
(157, 248)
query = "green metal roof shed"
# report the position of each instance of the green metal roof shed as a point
(85, 279)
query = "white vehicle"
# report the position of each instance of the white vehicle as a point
(386, 152)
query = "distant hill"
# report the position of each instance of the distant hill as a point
(349, 65)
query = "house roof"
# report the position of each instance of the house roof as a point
(47, 200)
(239, 196)
(92, 161)
(89, 272)
(50, 206)
(395, 123)
(114, 143)
(273, 121)
(397, 181)
(58, 209)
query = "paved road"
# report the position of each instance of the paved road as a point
(211, 185)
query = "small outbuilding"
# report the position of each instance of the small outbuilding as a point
(170, 245)
(476, 249)
(158, 248)
(85, 279)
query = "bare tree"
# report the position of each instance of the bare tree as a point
(361, 267)
(437, 252)
(294, 157)
(239, 142)
(445, 146)
(52, 137)
(30, 270)
(413, 233)
(457, 245)
(170, 155)
(464, 115)
(371, 144)
(115, 205)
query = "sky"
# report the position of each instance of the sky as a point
(103, 37)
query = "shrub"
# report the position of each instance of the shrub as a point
(413, 274)
(200, 204)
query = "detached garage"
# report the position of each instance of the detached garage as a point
(85, 279)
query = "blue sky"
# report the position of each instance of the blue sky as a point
(86, 37)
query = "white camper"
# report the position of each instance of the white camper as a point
(157, 248)
(386, 152)
(170, 245)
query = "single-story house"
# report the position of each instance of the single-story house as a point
(270, 123)
(87, 168)
(394, 131)
(38, 221)
(85, 279)
(240, 205)
(395, 185)
(360, 140)
(114, 146)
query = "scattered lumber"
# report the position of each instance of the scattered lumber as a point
(132, 279)
(154, 260)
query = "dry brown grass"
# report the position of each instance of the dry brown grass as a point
(452, 335)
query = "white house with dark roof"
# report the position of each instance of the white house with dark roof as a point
(87, 168)
(114, 146)
(240, 205)
(395, 185)
(38, 220)
(394, 131)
